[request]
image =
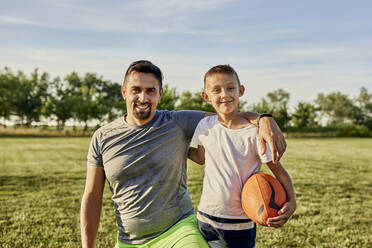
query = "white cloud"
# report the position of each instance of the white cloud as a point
(135, 16)
(111, 64)
(7, 19)
(268, 55)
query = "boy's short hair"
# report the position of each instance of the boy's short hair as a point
(145, 66)
(224, 69)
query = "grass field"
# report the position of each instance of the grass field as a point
(42, 181)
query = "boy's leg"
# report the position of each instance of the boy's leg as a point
(242, 238)
(228, 238)
(216, 244)
(211, 235)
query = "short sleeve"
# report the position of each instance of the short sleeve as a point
(187, 120)
(94, 157)
(195, 138)
(267, 157)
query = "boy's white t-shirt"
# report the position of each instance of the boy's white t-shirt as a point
(231, 157)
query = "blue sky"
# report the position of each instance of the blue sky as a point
(304, 47)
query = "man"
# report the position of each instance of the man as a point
(143, 158)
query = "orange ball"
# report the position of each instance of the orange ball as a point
(262, 197)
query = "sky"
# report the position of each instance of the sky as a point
(303, 47)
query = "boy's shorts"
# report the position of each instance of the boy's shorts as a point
(228, 238)
(184, 234)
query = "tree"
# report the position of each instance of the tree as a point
(277, 105)
(193, 101)
(85, 94)
(338, 107)
(262, 107)
(242, 106)
(169, 98)
(364, 103)
(111, 103)
(304, 115)
(59, 103)
(279, 100)
(6, 97)
(364, 100)
(29, 96)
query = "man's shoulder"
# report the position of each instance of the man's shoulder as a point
(164, 113)
(180, 115)
(179, 112)
(110, 127)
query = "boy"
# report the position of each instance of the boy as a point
(229, 146)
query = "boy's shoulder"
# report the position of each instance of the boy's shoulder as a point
(206, 123)
(210, 120)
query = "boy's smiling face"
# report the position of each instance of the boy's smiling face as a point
(222, 90)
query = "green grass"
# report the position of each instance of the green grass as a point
(43, 131)
(42, 181)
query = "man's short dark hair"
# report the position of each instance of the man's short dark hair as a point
(145, 66)
(224, 69)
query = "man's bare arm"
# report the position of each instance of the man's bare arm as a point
(270, 133)
(91, 205)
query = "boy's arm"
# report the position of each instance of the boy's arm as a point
(197, 154)
(290, 206)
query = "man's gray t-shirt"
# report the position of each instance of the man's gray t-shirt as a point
(145, 167)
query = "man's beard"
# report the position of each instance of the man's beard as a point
(142, 114)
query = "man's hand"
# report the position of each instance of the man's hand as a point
(284, 213)
(270, 132)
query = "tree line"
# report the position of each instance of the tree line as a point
(30, 100)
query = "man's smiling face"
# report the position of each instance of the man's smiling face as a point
(142, 94)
